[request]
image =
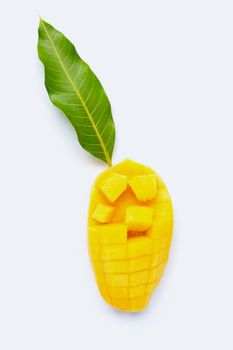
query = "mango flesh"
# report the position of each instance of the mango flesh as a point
(138, 218)
(130, 226)
(113, 185)
(144, 186)
(103, 213)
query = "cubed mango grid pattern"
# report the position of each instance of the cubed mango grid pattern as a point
(127, 270)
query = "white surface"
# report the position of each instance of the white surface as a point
(167, 67)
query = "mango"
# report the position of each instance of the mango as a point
(103, 213)
(144, 186)
(138, 218)
(113, 185)
(130, 225)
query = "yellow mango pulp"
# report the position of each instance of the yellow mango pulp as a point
(144, 186)
(130, 226)
(103, 213)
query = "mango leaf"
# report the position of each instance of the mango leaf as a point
(74, 88)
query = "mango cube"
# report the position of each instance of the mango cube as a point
(118, 292)
(139, 264)
(93, 234)
(137, 304)
(113, 234)
(161, 227)
(118, 266)
(144, 186)
(114, 252)
(138, 218)
(137, 291)
(138, 246)
(117, 279)
(122, 304)
(138, 278)
(113, 185)
(103, 213)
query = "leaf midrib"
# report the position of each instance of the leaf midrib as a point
(76, 90)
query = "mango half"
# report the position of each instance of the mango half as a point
(130, 224)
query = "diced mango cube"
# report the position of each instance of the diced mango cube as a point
(139, 264)
(104, 292)
(163, 210)
(162, 195)
(95, 251)
(165, 242)
(122, 304)
(114, 252)
(138, 218)
(151, 287)
(161, 227)
(113, 234)
(100, 277)
(117, 279)
(118, 292)
(163, 256)
(113, 185)
(144, 186)
(93, 234)
(139, 246)
(130, 168)
(98, 265)
(103, 213)
(137, 304)
(138, 278)
(138, 291)
(117, 266)
(153, 276)
(160, 244)
(155, 260)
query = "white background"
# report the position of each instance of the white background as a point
(167, 67)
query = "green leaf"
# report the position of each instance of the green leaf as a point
(74, 88)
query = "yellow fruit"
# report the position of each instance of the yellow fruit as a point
(138, 218)
(103, 213)
(130, 226)
(144, 186)
(113, 185)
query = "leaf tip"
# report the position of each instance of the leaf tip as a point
(42, 21)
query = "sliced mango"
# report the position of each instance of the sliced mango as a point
(103, 213)
(144, 186)
(113, 186)
(138, 246)
(138, 218)
(129, 245)
(113, 234)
